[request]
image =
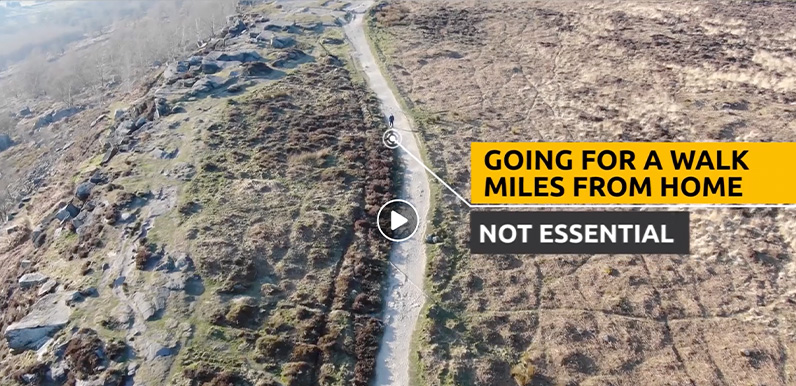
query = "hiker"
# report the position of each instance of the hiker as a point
(392, 119)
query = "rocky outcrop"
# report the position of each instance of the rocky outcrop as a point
(206, 84)
(14, 229)
(119, 114)
(282, 41)
(243, 56)
(32, 279)
(5, 142)
(109, 154)
(67, 211)
(46, 317)
(83, 191)
(47, 287)
(210, 67)
(282, 25)
(39, 236)
(162, 108)
(56, 115)
(148, 305)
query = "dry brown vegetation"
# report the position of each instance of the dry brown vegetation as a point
(597, 71)
(293, 175)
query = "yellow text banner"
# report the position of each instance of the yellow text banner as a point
(633, 173)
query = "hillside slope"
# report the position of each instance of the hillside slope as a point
(594, 71)
(217, 228)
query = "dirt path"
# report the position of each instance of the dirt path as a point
(404, 299)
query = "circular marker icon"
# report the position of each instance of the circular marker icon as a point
(397, 220)
(391, 138)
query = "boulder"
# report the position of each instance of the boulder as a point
(243, 56)
(741, 105)
(282, 25)
(236, 25)
(265, 36)
(182, 171)
(65, 113)
(119, 113)
(140, 123)
(210, 66)
(98, 177)
(175, 70)
(91, 292)
(109, 154)
(5, 142)
(57, 373)
(31, 378)
(32, 279)
(282, 41)
(67, 211)
(206, 84)
(39, 236)
(148, 305)
(72, 297)
(47, 316)
(127, 127)
(25, 112)
(160, 153)
(79, 221)
(433, 239)
(162, 108)
(39, 240)
(83, 191)
(309, 26)
(333, 41)
(215, 43)
(188, 82)
(151, 349)
(47, 287)
(166, 264)
(44, 120)
(13, 229)
(177, 281)
(291, 57)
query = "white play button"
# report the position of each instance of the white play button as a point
(397, 221)
(400, 224)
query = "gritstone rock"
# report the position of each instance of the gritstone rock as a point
(32, 279)
(47, 316)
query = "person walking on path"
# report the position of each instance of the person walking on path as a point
(392, 119)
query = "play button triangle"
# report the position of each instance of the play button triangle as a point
(396, 220)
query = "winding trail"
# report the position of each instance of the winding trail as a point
(404, 298)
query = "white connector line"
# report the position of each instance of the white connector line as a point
(459, 196)
(580, 206)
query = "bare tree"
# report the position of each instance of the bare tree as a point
(69, 77)
(32, 74)
(163, 34)
(102, 62)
